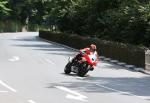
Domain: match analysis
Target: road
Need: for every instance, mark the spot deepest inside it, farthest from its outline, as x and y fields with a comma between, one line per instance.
x=31, y=71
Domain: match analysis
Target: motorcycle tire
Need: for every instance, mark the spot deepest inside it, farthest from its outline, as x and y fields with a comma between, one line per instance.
x=82, y=71
x=67, y=69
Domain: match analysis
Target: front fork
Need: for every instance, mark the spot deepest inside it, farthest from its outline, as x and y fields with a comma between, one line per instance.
x=91, y=68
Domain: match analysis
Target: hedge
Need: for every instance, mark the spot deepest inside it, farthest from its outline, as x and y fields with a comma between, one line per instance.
x=127, y=53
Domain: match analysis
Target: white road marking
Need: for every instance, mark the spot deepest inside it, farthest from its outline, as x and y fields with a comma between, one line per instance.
x=14, y=58
x=76, y=95
x=15, y=37
x=49, y=61
x=112, y=89
x=144, y=97
x=121, y=92
x=80, y=78
x=8, y=87
x=3, y=91
x=31, y=101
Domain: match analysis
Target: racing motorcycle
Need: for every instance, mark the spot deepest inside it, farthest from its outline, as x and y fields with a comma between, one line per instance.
x=81, y=67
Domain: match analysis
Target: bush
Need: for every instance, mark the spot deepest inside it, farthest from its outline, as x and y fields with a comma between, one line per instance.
x=10, y=26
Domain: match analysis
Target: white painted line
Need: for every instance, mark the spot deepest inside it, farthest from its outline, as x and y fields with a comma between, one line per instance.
x=111, y=89
x=76, y=95
x=80, y=77
x=69, y=96
x=31, y=101
x=14, y=58
x=121, y=92
x=15, y=37
x=8, y=87
x=3, y=91
x=144, y=97
x=49, y=61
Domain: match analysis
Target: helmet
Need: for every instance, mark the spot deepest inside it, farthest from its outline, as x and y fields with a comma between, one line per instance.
x=93, y=47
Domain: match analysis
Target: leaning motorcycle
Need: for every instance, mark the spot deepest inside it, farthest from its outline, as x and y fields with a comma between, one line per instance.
x=81, y=67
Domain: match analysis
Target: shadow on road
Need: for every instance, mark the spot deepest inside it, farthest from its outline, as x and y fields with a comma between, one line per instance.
x=133, y=86
x=74, y=75
x=35, y=43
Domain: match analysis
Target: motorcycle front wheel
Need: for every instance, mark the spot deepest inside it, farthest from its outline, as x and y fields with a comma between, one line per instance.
x=82, y=70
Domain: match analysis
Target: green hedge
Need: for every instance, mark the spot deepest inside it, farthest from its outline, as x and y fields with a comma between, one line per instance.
x=10, y=26
x=123, y=52
x=16, y=26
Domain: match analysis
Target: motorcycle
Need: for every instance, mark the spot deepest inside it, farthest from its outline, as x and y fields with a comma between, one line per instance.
x=81, y=67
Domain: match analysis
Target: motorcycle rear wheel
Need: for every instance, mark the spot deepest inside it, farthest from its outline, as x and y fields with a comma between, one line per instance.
x=67, y=69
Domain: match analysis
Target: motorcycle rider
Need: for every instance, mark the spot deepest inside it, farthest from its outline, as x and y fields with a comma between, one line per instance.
x=91, y=50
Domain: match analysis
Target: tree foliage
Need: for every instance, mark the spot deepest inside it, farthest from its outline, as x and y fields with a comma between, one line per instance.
x=118, y=20
x=125, y=21
x=3, y=8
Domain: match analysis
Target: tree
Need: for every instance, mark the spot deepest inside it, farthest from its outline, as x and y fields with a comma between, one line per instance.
x=4, y=10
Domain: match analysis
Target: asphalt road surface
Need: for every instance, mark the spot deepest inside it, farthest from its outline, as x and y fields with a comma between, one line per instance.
x=31, y=71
